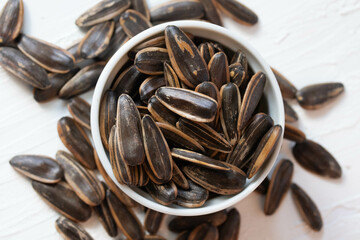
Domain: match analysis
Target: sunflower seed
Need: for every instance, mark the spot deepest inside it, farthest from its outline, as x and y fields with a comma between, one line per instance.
x=83, y=81
x=103, y=11
x=125, y=219
x=107, y=116
x=75, y=139
x=316, y=159
x=160, y=113
x=188, y=104
x=211, y=90
x=211, y=12
x=230, y=229
x=279, y=184
x=229, y=113
x=185, y=58
x=237, y=74
x=307, y=208
x=183, y=235
x=205, y=135
x=128, y=81
x=96, y=40
x=85, y=184
x=170, y=76
x=288, y=90
x=11, y=20
x=148, y=88
x=252, y=96
x=156, y=149
x=204, y=231
x=151, y=60
x=134, y=22
x=80, y=111
x=79, y=61
x=219, y=69
x=206, y=51
x=193, y=197
x=153, y=42
x=177, y=10
x=153, y=221
x=198, y=159
x=154, y=237
x=164, y=194
x=263, y=187
x=294, y=134
x=237, y=11
x=40, y=168
x=51, y=57
x=179, y=224
x=318, y=95
x=290, y=114
x=70, y=230
x=141, y=176
x=15, y=62
x=63, y=199
x=177, y=138
x=118, y=38
x=178, y=177
x=264, y=150
x=142, y=7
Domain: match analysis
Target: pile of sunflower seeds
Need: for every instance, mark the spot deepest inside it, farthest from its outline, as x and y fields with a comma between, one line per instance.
x=174, y=123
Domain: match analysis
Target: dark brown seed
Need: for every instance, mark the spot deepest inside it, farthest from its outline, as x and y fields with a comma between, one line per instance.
x=105, y=217
x=170, y=76
x=151, y=60
x=194, y=197
x=154, y=237
x=83, y=81
x=318, y=95
x=51, y=57
x=160, y=113
x=219, y=69
x=177, y=10
x=211, y=90
x=153, y=42
x=133, y=22
x=294, y=134
x=263, y=187
x=57, y=81
x=204, y=231
x=80, y=111
x=179, y=224
x=142, y=179
x=230, y=229
x=249, y=140
x=70, y=230
x=307, y=208
x=103, y=11
x=76, y=140
x=96, y=40
x=220, y=182
x=183, y=235
x=124, y=217
x=253, y=93
x=206, y=51
x=211, y=13
x=156, y=149
x=142, y=7
x=198, y=159
x=83, y=182
x=107, y=116
x=128, y=130
x=11, y=20
x=316, y=159
x=79, y=61
x=205, y=135
x=279, y=184
x=237, y=11
x=188, y=104
x=15, y=62
x=264, y=150
x=118, y=38
x=240, y=57
x=153, y=221
x=179, y=178
x=290, y=114
x=229, y=112
x=177, y=138
x=288, y=90
x=63, y=199
x=148, y=88
x=128, y=81
x=185, y=58
x=237, y=74
x=164, y=194
x=40, y=168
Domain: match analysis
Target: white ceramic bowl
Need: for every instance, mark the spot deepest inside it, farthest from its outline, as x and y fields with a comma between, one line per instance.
x=212, y=32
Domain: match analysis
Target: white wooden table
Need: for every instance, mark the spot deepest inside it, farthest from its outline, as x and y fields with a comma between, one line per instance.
x=308, y=41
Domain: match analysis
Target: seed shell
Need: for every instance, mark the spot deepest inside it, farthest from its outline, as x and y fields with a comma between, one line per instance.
x=107, y=116
x=206, y=51
x=64, y=200
x=15, y=62
x=39, y=168
x=211, y=12
x=288, y=90
x=170, y=76
x=211, y=90
x=151, y=60
x=79, y=61
x=133, y=22
x=11, y=20
x=160, y=113
x=51, y=57
x=103, y=11
x=219, y=69
x=80, y=111
x=237, y=11
x=152, y=42
x=148, y=88
x=240, y=57
x=179, y=178
x=118, y=38
x=294, y=134
x=128, y=81
x=204, y=231
x=153, y=221
x=193, y=197
x=230, y=229
x=177, y=10
x=290, y=114
x=70, y=230
x=164, y=194
x=142, y=7
x=237, y=74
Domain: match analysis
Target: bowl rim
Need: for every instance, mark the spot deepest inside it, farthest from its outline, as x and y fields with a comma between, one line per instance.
x=96, y=101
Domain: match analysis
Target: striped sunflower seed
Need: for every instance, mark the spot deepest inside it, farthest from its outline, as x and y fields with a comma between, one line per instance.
x=290, y=114
x=211, y=12
x=206, y=51
x=160, y=113
x=70, y=230
x=230, y=229
x=237, y=11
x=148, y=88
x=170, y=76
x=107, y=116
x=11, y=20
x=211, y=90
x=179, y=178
x=151, y=60
x=128, y=81
x=288, y=90
x=219, y=69
x=80, y=111
x=153, y=221
x=263, y=187
x=237, y=74
x=294, y=134
x=164, y=194
x=152, y=42
x=193, y=197
x=133, y=22
x=204, y=231
x=142, y=7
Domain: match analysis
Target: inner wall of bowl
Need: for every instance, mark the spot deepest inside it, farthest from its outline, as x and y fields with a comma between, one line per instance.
x=272, y=94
